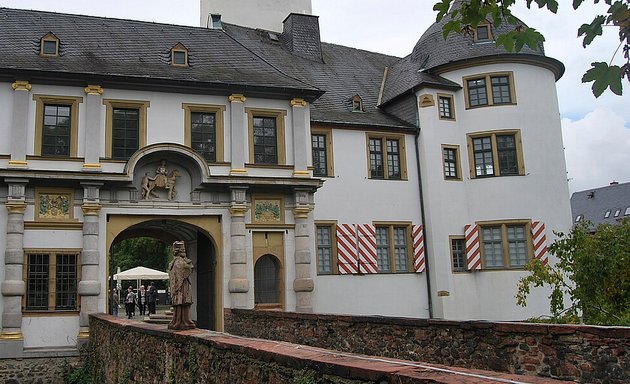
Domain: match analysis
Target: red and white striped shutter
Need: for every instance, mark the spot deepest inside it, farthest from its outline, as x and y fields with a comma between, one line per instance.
x=539, y=238
x=418, y=249
x=347, y=258
x=473, y=250
x=367, y=248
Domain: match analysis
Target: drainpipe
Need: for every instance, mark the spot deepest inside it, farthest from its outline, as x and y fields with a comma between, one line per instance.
x=424, y=226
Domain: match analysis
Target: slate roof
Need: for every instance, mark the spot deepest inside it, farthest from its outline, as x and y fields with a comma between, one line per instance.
x=136, y=50
x=592, y=204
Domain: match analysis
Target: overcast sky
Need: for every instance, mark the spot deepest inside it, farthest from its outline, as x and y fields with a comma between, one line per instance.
x=596, y=131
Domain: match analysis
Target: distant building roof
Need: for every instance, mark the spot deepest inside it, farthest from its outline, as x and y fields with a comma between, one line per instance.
x=602, y=205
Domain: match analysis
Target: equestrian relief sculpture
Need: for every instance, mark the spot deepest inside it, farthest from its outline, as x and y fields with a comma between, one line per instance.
x=163, y=179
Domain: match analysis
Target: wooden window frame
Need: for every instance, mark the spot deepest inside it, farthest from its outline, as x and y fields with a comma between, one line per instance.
x=402, y=152
x=458, y=162
x=490, y=34
x=488, y=78
x=279, y=115
x=52, y=279
x=505, y=244
x=141, y=106
x=495, y=152
x=327, y=132
x=451, y=238
x=49, y=37
x=71, y=101
x=451, y=101
x=179, y=47
x=390, y=225
x=332, y=225
x=357, y=104
x=218, y=111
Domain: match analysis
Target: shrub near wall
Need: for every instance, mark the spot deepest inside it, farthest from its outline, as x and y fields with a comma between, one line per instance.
x=586, y=354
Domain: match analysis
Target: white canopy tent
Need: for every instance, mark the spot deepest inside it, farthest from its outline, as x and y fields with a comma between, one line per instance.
x=139, y=274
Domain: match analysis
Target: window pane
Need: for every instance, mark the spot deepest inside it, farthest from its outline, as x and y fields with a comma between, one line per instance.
x=266, y=280
x=265, y=140
x=393, y=160
x=125, y=132
x=66, y=286
x=445, y=107
x=400, y=249
x=382, y=249
x=324, y=250
x=477, y=94
x=376, y=159
x=482, y=150
x=458, y=251
x=320, y=159
x=492, y=247
x=501, y=90
x=179, y=57
x=37, y=282
x=50, y=47
x=450, y=162
x=203, y=135
x=483, y=33
x=56, y=130
x=517, y=244
x=506, y=148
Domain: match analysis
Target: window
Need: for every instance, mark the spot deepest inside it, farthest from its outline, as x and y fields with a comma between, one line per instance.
x=266, y=136
x=450, y=157
x=607, y=214
x=56, y=125
x=267, y=280
x=489, y=89
x=49, y=45
x=393, y=248
x=617, y=212
x=578, y=218
x=386, y=157
x=482, y=33
x=458, y=253
x=126, y=128
x=179, y=55
x=326, y=253
x=203, y=130
x=505, y=245
x=495, y=154
x=321, y=144
x=52, y=279
x=357, y=104
x=627, y=212
x=445, y=106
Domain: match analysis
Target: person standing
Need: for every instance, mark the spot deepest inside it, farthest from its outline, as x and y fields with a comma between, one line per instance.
x=130, y=302
x=114, y=301
x=152, y=298
x=142, y=299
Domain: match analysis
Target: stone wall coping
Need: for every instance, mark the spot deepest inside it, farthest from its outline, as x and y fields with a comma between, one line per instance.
x=328, y=362
x=522, y=327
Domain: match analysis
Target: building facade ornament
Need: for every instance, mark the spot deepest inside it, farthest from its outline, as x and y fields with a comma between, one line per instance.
x=237, y=97
x=94, y=90
x=163, y=179
x=298, y=102
x=21, y=85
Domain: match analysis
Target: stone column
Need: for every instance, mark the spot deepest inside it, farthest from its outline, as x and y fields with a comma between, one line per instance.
x=301, y=137
x=13, y=286
x=92, y=126
x=303, y=284
x=239, y=283
x=239, y=134
x=89, y=286
x=19, y=123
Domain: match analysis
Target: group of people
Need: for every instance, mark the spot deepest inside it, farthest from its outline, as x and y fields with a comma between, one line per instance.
x=145, y=300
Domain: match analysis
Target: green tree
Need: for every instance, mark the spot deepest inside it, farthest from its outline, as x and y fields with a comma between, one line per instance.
x=592, y=272
x=140, y=251
x=603, y=75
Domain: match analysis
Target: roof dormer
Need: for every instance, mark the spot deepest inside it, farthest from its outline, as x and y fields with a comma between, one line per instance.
x=179, y=55
x=49, y=45
x=357, y=104
x=483, y=32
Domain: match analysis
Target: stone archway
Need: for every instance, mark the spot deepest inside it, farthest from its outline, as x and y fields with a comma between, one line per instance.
x=203, y=244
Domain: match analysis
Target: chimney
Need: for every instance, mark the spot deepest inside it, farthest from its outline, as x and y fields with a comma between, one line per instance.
x=301, y=36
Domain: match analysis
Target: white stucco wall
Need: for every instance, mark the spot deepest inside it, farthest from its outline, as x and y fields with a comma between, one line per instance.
x=541, y=194
x=6, y=100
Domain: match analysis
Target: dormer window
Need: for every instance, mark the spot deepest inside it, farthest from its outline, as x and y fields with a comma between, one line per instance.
x=357, y=104
x=49, y=45
x=483, y=33
x=179, y=55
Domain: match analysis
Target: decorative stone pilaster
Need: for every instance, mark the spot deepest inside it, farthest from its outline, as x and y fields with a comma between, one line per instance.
x=13, y=286
x=238, y=130
x=19, y=123
x=301, y=137
x=89, y=286
x=93, y=103
x=239, y=283
x=303, y=284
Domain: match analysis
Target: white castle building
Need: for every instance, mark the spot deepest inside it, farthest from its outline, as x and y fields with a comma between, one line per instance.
x=303, y=176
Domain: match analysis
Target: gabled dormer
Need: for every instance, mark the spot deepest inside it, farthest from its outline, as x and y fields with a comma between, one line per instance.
x=179, y=55
x=49, y=45
x=357, y=104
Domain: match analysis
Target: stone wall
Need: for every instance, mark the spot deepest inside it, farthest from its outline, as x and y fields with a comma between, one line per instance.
x=587, y=354
x=48, y=370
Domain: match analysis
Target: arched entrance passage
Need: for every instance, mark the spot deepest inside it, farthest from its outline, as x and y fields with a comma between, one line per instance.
x=202, y=236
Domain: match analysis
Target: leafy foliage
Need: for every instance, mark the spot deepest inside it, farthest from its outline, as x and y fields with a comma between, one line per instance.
x=592, y=272
x=603, y=75
x=140, y=251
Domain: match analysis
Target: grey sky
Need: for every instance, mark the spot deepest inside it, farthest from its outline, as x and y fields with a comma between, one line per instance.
x=394, y=26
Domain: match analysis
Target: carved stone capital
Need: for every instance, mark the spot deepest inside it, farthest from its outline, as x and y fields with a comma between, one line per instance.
x=11, y=336
x=91, y=209
x=94, y=90
x=84, y=334
x=16, y=207
x=237, y=97
x=302, y=211
x=238, y=172
x=298, y=102
x=238, y=210
x=21, y=85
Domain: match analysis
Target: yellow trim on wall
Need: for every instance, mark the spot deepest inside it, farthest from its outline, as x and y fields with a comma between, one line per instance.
x=401, y=147
x=328, y=132
x=280, y=115
x=218, y=111
x=332, y=224
x=390, y=225
x=488, y=78
x=504, y=240
x=458, y=162
x=71, y=101
x=451, y=106
x=270, y=243
x=141, y=106
x=495, y=154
